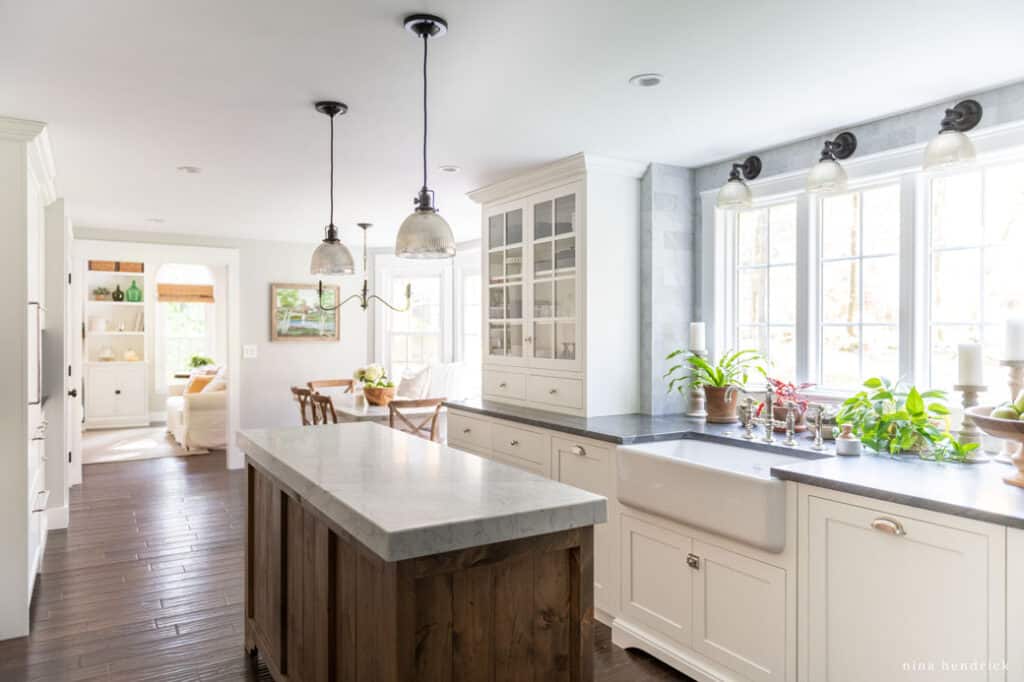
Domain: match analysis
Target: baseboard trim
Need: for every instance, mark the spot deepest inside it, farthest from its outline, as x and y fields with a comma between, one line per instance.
x=686, y=661
x=57, y=518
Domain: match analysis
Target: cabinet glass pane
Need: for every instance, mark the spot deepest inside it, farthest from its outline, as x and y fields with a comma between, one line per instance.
x=542, y=301
x=565, y=253
x=496, y=309
x=565, y=214
x=514, y=263
x=496, y=231
x=496, y=267
x=565, y=340
x=514, y=302
x=542, y=220
x=565, y=298
x=514, y=227
x=514, y=340
x=496, y=339
x=543, y=340
x=542, y=260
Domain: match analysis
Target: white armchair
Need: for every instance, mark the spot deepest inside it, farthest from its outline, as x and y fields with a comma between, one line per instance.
x=197, y=420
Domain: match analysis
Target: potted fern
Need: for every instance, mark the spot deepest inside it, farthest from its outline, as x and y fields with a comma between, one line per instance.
x=720, y=381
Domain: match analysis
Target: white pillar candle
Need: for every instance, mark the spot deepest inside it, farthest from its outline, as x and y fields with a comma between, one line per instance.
x=698, y=337
x=970, y=365
x=1013, y=351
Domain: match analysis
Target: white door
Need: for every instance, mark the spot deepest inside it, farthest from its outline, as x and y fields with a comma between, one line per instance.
x=739, y=613
x=656, y=589
x=589, y=467
x=73, y=371
x=896, y=598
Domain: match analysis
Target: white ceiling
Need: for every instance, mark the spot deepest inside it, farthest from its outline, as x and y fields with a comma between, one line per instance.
x=132, y=90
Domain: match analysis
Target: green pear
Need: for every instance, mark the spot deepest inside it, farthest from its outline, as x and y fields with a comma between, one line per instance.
x=1018, y=404
x=1004, y=413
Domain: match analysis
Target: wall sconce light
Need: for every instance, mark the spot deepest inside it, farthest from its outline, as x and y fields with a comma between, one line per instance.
x=828, y=174
x=951, y=146
x=735, y=193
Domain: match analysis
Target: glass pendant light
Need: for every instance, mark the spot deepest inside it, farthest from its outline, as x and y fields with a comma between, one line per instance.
x=331, y=256
x=828, y=175
x=425, y=234
x=951, y=146
x=735, y=193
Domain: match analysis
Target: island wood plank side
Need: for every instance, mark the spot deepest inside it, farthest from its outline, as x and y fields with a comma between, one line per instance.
x=321, y=607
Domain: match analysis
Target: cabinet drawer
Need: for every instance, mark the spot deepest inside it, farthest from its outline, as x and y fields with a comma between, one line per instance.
x=469, y=431
x=554, y=391
x=505, y=384
x=520, y=463
x=521, y=443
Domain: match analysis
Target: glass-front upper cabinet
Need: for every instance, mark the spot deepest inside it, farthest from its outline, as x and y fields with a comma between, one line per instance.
x=505, y=263
x=554, y=279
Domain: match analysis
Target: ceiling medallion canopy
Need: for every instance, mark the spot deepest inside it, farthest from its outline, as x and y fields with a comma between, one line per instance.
x=425, y=234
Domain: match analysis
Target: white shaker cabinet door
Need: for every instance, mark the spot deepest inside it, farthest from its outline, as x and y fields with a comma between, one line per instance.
x=1015, y=604
x=892, y=597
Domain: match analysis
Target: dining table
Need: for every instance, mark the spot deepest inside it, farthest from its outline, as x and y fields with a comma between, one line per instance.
x=350, y=409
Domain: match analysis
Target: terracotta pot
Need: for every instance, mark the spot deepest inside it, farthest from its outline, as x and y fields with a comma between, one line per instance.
x=720, y=409
x=780, y=419
x=379, y=396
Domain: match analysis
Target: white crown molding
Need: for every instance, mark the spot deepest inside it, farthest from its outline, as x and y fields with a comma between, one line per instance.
x=19, y=129
x=556, y=173
x=37, y=146
x=990, y=143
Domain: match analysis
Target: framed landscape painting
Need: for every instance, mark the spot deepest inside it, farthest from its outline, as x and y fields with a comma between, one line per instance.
x=295, y=313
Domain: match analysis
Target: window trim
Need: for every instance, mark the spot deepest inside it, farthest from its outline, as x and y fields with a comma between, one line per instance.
x=994, y=145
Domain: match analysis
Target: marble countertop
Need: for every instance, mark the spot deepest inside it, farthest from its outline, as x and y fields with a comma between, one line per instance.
x=622, y=429
x=405, y=497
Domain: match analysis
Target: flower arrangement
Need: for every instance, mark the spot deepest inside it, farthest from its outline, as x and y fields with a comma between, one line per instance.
x=373, y=376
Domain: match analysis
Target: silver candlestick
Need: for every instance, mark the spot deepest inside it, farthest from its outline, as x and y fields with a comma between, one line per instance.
x=969, y=431
x=695, y=402
x=1016, y=383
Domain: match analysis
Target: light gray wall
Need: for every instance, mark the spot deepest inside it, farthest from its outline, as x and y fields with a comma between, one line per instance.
x=1001, y=105
x=264, y=381
x=666, y=282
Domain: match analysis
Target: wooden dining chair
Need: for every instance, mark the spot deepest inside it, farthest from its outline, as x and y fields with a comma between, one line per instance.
x=323, y=409
x=303, y=396
x=422, y=425
x=347, y=384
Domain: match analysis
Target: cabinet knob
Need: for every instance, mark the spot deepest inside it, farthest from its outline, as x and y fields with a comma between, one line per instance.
x=503, y=385
x=889, y=526
x=578, y=450
x=693, y=561
x=514, y=443
x=553, y=391
x=466, y=430
x=117, y=391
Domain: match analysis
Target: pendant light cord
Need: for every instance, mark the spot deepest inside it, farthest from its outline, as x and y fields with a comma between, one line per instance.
x=332, y=170
x=425, y=38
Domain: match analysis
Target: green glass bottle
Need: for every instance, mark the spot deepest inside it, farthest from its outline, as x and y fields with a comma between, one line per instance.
x=133, y=294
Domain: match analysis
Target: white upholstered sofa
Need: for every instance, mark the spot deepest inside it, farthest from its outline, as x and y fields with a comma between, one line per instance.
x=197, y=420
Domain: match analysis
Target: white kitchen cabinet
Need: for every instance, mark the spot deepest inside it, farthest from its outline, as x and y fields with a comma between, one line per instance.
x=1015, y=604
x=550, y=238
x=116, y=395
x=589, y=466
x=893, y=593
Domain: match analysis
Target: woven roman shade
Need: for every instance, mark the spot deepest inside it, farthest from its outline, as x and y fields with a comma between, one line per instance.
x=184, y=293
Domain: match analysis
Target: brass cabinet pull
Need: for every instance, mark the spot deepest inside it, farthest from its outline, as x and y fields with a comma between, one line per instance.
x=579, y=451
x=514, y=443
x=502, y=385
x=693, y=561
x=466, y=430
x=888, y=526
x=553, y=391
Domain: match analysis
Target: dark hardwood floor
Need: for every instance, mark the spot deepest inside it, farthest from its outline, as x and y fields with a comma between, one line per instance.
x=148, y=584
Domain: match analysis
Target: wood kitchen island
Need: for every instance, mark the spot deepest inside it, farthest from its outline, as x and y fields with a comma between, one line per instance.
x=373, y=555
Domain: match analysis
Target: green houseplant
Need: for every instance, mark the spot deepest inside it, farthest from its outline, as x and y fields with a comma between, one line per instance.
x=733, y=369
x=199, y=361
x=894, y=418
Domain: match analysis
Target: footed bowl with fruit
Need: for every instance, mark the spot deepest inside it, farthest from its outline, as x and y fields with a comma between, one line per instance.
x=1006, y=427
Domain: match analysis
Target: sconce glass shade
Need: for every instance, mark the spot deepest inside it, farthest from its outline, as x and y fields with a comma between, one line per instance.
x=425, y=234
x=826, y=176
x=332, y=258
x=947, y=148
x=734, y=194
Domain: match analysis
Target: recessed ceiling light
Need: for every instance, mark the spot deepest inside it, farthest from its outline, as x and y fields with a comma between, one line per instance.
x=646, y=80
x=190, y=170
x=449, y=169
x=154, y=220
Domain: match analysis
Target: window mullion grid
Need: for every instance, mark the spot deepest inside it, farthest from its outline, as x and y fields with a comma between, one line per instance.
x=860, y=284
